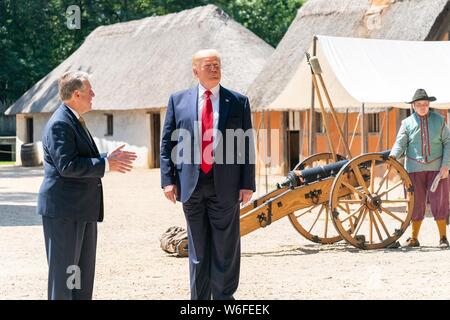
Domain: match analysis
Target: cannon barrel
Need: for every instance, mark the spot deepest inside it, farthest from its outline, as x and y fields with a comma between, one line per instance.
x=317, y=173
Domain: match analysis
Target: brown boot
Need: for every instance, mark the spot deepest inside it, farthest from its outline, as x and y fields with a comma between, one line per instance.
x=443, y=243
x=412, y=242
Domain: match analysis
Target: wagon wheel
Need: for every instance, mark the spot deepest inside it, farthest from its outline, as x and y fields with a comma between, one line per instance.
x=314, y=223
x=380, y=213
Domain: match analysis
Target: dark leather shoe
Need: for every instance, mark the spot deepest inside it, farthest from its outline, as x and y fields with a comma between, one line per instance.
x=411, y=242
x=443, y=243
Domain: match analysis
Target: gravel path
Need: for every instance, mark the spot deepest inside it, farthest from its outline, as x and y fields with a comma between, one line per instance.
x=277, y=263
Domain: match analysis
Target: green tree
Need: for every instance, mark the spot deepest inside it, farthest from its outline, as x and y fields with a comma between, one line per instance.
x=34, y=37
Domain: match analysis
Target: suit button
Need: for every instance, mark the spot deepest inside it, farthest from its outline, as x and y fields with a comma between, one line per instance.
x=99, y=185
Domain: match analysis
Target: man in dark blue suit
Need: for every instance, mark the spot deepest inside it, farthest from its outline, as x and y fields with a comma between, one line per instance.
x=203, y=167
x=71, y=196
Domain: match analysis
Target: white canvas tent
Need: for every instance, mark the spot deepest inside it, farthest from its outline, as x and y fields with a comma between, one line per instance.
x=378, y=73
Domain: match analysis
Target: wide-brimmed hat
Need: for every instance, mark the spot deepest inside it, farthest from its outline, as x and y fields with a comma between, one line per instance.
x=421, y=94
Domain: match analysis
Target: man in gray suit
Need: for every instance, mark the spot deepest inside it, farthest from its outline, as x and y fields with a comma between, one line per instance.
x=71, y=195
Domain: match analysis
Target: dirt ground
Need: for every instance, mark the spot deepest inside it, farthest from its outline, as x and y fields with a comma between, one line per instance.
x=277, y=263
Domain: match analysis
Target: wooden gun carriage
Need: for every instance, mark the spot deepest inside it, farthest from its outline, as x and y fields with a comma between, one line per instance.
x=351, y=195
x=327, y=190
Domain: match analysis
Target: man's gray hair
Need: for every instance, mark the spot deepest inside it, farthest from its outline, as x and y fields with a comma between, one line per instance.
x=71, y=81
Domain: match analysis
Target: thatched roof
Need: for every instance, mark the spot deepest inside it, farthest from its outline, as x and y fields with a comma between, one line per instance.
x=382, y=19
x=138, y=64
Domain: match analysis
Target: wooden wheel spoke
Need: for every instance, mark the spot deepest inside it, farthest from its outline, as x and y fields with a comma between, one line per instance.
x=391, y=188
x=360, y=178
x=360, y=221
x=383, y=179
x=396, y=201
x=353, y=189
x=372, y=175
x=352, y=225
x=348, y=208
x=391, y=214
x=352, y=214
x=376, y=225
x=317, y=218
x=309, y=210
x=382, y=223
x=326, y=222
x=351, y=201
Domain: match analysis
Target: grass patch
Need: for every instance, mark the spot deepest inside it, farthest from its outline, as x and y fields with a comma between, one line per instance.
x=11, y=163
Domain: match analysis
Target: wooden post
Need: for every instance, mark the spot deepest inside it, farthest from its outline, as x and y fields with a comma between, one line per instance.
x=363, y=130
x=301, y=129
x=346, y=126
x=312, y=116
x=324, y=117
x=354, y=129
x=269, y=142
x=284, y=134
x=265, y=150
x=387, y=129
x=380, y=136
x=333, y=114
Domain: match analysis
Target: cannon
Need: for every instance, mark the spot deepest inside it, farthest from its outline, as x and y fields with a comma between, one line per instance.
x=353, y=196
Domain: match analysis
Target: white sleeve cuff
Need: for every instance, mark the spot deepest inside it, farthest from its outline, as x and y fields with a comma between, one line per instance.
x=106, y=165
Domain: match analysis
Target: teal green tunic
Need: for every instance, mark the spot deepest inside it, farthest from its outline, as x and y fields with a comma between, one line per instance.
x=425, y=141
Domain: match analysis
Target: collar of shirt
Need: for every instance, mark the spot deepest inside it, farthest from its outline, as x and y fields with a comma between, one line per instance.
x=215, y=99
x=73, y=111
x=214, y=91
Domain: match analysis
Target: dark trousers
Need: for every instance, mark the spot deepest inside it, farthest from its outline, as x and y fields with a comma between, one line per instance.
x=422, y=182
x=214, y=242
x=71, y=249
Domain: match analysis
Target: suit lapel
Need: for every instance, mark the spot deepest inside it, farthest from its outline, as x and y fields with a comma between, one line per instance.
x=193, y=101
x=80, y=130
x=193, y=115
x=224, y=108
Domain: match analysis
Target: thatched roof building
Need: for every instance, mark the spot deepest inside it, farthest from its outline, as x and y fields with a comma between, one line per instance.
x=382, y=19
x=138, y=64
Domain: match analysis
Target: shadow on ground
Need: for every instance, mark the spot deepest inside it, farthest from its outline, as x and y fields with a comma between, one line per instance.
x=20, y=172
x=19, y=215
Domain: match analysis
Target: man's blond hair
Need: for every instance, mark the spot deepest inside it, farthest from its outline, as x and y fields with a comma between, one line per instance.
x=71, y=81
x=203, y=54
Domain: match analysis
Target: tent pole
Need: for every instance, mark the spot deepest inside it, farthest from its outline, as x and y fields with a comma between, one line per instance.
x=265, y=149
x=312, y=115
x=324, y=116
x=333, y=114
x=354, y=129
x=380, y=136
x=387, y=143
x=269, y=141
x=363, y=131
x=346, y=126
x=300, y=136
x=387, y=128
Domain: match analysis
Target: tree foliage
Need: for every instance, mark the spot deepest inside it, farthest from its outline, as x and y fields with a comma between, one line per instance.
x=34, y=37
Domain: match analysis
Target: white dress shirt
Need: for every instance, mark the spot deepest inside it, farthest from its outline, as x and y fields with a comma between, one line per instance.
x=106, y=155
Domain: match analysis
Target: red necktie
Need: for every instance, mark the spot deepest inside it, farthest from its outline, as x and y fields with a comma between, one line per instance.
x=207, y=124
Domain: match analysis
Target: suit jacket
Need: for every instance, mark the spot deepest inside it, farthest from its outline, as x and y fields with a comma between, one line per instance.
x=72, y=187
x=229, y=176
